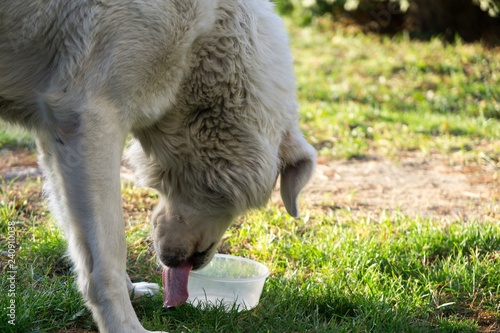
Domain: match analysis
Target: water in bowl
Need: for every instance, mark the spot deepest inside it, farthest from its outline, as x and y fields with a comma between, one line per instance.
x=228, y=281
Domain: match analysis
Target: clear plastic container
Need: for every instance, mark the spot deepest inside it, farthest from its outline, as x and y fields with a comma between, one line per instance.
x=233, y=282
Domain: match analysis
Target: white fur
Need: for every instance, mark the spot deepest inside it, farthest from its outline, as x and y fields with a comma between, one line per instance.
x=207, y=89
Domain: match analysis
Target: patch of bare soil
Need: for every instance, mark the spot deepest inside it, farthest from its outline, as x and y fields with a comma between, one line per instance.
x=412, y=185
x=426, y=186
x=18, y=164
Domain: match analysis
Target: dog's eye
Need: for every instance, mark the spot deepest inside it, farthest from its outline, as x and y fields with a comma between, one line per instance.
x=215, y=194
x=215, y=197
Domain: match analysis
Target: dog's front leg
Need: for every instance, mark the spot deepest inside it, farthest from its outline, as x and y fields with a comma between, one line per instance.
x=83, y=182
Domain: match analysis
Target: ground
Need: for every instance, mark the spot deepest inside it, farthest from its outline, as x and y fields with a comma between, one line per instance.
x=412, y=183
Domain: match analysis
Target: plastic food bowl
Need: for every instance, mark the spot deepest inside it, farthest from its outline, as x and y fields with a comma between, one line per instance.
x=233, y=282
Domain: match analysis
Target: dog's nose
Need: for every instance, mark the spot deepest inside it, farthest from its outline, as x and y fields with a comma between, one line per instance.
x=173, y=259
x=178, y=258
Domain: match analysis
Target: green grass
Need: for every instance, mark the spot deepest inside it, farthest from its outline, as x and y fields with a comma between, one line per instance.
x=333, y=270
x=330, y=273
x=12, y=137
x=361, y=92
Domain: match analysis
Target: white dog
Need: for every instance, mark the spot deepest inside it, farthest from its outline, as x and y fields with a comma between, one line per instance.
x=207, y=89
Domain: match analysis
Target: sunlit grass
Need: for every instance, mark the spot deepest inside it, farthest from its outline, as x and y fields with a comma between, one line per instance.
x=363, y=92
x=14, y=137
x=330, y=272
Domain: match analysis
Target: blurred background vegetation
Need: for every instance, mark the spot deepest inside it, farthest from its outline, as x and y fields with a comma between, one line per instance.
x=469, y=19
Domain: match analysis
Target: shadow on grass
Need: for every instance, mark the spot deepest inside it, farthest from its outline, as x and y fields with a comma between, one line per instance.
x=286, y=307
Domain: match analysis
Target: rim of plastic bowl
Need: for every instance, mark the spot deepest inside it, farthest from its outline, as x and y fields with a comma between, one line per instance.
x=233, y=280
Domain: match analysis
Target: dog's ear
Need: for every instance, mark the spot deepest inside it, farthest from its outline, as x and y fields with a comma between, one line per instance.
x=298, y=160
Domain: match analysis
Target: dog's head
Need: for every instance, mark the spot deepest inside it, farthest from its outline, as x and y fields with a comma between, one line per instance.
x=233, y=130
x=204, y=192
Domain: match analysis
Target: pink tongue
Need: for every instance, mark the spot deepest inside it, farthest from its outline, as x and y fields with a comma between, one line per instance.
x=175, y=282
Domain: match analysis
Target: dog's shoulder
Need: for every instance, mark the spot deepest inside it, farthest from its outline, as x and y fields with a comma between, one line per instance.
x=132, y=52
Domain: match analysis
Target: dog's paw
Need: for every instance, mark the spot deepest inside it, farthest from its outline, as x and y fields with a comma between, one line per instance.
x=140, y=289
